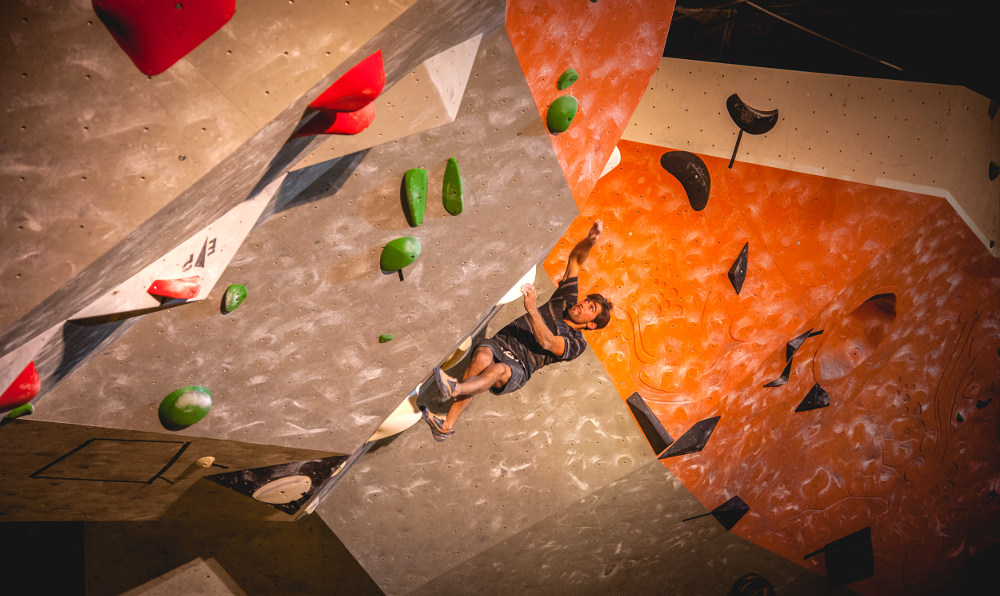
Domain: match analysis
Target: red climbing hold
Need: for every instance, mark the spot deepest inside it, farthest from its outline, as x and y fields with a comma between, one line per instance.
x=356, y=89
x=338, y=123
x=185, y=288
x=157, y=33
x=24, y=389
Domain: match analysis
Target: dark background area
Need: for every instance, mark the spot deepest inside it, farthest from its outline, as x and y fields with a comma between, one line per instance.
x=915, y=40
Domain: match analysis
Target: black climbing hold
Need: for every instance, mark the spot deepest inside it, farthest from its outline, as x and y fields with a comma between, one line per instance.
x=694, y=439
x=738, y=272
x=816, y=398
x=658, y=437
x=790, y=348
x=994, y=170
x=750, y=120
x=728, y=513
x=983, y=403
x=784, y=376
x=992, y=110
x=849, y=559
x=794, y=345
x=959, y=417
x=691, y=172
x=285, y=486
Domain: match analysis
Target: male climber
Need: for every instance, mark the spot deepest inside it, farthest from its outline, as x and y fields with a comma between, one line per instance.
x=541, y=336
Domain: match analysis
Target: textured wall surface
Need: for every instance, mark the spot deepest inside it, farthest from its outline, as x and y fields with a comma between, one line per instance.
x=614, y=46
x=918, y=137
x=908, y=442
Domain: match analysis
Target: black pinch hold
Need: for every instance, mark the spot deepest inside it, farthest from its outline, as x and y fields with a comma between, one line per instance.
x=790, y=348
x=249, y=481
x=658, y=437
x=848, y=559
x=691, y=172
x=728, y=513
x=994, y=170
x=816, y=398
x=784, y=376
x=738, y=271
x=750, y=120
x=794, y=345
x=693, y=440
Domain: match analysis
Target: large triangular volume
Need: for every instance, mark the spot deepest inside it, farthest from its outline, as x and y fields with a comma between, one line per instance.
x=658, y=437
x=816, y=398
x=849, y=559
x=738, y=271
x=694, y=439
x=285, y=487
x=730, y=512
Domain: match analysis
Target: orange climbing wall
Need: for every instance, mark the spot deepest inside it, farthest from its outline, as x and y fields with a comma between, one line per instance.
x=614, y=46
x=890, y=451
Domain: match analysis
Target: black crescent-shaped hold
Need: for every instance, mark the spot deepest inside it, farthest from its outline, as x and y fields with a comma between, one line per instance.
x=750, y=120
x=815, y=399
x=694, y=440
x=692, y=173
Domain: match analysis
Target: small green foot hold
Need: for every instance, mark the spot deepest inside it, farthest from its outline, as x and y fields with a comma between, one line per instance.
x=567, y=78
x=25, y=410
x=959, y=417
x=235, y=295
x=451, y=191
x=561, y=113
x=185, y=406
x=399, y=253
x=385, y=337
x=415, y=188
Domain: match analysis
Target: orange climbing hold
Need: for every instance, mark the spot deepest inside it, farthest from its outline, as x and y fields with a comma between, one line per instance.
x=184, y=288
x=24, y=389
x=356, y=89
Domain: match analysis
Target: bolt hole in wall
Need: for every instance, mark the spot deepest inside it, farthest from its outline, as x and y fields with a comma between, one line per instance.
x=856, y=338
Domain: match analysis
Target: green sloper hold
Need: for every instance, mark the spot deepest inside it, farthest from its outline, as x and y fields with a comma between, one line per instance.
x=235, y=295
x=568, y=78
x=561, y=113
x=415, y=184
x=399, y=253
x=385, y=337
x=451, y=191
x=185, y=406
x=23, y=410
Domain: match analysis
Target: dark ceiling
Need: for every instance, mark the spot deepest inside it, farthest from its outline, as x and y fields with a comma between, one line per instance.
x=916, y=40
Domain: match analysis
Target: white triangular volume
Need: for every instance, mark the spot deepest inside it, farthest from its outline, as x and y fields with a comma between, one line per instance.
x=13, y=362
x=613, y=161
x=515, y=292
x=427, y=97
x=450, y=71
x=205, y=254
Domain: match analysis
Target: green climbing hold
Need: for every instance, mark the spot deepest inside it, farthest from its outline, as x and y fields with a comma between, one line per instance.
x=451, y=191
x=385, y=337
x=235, y=295
x=959, y=417
x=399, y=253
x=561, y=113
x=568, y=78
x=185, y=406
x=415, y=186
x=22, y=410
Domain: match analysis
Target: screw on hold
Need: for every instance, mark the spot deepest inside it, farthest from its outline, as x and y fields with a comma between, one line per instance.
x=385, y=337
x=178, y=6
